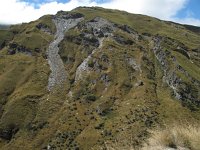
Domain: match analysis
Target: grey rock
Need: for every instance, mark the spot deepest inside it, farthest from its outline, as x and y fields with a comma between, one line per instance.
x=131, y=62
x=66, y=15
x=44, y=28
x=127, y=29
x=182, y=90
x=83, y=68
x=122, y=40
x=100, y=27
x=58, y=73
x=16, y=48
x=85, y=39
x=139, y=83
x=105, y=78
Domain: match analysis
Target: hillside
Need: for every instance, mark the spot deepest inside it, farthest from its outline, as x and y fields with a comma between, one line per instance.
x=93, y=77
x=4, y=27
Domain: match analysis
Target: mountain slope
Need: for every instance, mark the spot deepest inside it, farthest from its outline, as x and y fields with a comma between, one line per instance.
x=91, y=77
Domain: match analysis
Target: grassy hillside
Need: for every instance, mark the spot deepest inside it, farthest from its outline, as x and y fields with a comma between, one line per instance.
x=145, y=24
x=127, y=75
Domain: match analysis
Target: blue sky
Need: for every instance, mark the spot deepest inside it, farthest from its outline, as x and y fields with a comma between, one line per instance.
x=191, y=9
x=182, y=11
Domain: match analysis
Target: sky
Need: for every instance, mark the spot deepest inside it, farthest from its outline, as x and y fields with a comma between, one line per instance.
x=181, y=11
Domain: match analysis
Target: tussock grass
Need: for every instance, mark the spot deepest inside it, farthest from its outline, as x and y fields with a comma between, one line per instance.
x=173, y=137
x=182, y=137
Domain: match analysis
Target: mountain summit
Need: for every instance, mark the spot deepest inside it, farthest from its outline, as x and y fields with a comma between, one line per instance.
x=94, y=78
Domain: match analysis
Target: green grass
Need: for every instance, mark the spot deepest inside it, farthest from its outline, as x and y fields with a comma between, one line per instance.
x=29, y=36
x=5, y=36
x=24, y=81
x=190, y=67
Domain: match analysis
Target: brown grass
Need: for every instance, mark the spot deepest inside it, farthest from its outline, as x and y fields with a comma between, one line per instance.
x=182, y=137
x=174, y=137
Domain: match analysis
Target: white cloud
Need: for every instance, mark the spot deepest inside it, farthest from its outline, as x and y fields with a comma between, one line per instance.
x=163, y=9
x=15, y=11
x=188, y=20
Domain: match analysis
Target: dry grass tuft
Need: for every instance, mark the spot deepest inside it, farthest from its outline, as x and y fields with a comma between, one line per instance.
x=174, y=137
x=181, y=137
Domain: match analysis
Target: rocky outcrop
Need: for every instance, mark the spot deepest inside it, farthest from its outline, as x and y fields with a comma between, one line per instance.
x=66, y=15
x=127, y=29
x=122, y=40
x=83, y=68
x=84, y=39
x=131, y=62
x=93, y=33
x=44, y=28
x=58, y=73
x=100, y=29
x=183, y=52
x=16, y=48
x=182, y=90
x=9, y=132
